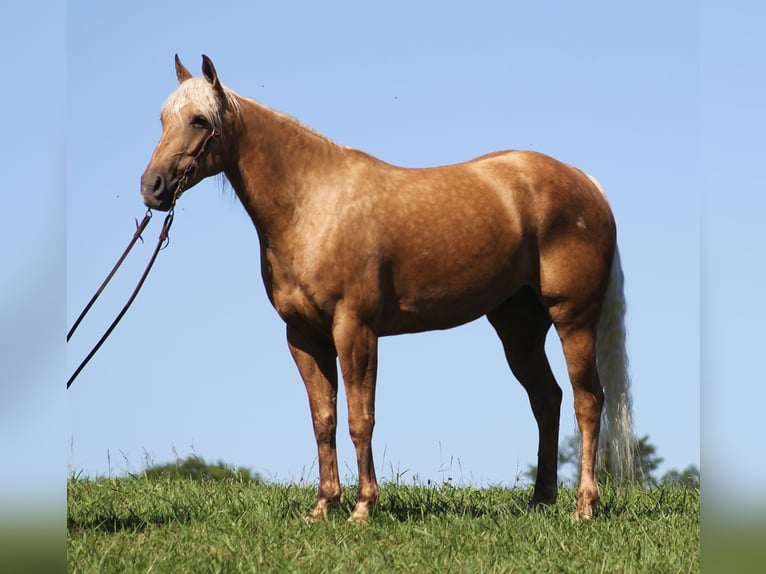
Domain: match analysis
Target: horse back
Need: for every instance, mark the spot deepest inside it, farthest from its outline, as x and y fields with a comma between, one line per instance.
x=431, y=248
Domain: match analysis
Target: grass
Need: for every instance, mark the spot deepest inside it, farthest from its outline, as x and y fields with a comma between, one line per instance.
x=140, y=524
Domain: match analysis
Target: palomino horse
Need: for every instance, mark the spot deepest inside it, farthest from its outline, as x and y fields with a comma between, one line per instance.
x=353, y=249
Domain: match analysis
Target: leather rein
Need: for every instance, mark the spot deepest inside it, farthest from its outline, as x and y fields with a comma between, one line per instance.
x=162, y=242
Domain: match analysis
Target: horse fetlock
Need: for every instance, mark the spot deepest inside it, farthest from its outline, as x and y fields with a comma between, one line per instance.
x=544, y=495
x=361, y=511
x=322, y=508
x=540, y=504
x=587, y=503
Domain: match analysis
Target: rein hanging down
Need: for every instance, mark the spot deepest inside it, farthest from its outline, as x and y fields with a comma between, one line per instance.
x=162, y=242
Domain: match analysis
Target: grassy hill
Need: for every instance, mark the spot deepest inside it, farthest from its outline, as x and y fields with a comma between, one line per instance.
x=167, y=524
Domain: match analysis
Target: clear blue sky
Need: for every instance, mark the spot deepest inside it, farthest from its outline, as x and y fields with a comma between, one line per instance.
x=200, y=365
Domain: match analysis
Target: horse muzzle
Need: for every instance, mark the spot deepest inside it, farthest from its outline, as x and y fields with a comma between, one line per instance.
x=156, y=192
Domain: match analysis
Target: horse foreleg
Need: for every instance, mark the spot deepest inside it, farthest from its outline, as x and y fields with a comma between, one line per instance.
x=315, y=359
x=357, y=349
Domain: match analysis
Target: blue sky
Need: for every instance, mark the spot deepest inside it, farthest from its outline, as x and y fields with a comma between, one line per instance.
x=632, y=95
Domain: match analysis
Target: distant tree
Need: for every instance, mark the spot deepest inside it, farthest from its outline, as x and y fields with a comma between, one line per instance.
x=690, y=476
x=569, y=456
x=646, y=457
x=196, y=468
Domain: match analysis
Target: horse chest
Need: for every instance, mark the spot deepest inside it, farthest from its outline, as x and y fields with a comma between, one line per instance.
x=297, y=295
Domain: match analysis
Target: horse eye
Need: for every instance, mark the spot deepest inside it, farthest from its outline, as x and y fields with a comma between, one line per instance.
x=199, y=122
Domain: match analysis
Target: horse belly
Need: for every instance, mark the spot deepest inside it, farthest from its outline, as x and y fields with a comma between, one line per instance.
x=454, y=282
x=429, y=314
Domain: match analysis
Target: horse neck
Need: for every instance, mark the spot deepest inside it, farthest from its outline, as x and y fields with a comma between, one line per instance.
x=275, y=163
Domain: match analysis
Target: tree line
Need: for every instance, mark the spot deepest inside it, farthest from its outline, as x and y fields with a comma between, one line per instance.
x=195, y=468
x=648, y=461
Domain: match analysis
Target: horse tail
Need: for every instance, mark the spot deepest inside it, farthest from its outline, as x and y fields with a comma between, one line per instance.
x=617, y=448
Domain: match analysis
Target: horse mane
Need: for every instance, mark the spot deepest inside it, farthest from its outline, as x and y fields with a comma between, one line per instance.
x=199, y=92
x=295, y=122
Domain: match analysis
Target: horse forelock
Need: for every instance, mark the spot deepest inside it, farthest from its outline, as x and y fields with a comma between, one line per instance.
x=199, y=93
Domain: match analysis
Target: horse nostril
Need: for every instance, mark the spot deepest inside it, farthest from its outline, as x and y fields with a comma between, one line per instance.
x=159, y=185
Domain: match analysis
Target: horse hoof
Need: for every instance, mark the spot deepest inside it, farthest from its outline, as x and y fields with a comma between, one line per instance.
x=321, y=509
x=535, y=506
x=360, y=513
x=540, y=505
x=357, y=519
x=583, y=514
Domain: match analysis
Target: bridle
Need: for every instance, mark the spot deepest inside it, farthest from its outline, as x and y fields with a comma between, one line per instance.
x=162, y=242
x=193, y=166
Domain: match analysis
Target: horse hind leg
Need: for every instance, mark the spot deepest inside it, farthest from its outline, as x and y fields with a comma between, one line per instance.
x=522, y=324
x=577, y=330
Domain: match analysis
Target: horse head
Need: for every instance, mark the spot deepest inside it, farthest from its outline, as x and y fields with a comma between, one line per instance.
x=191, y=145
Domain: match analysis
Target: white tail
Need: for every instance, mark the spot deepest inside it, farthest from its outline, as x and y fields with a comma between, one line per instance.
x=612, y=363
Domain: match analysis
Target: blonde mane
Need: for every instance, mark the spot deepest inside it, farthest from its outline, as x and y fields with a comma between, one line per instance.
x=199, y=92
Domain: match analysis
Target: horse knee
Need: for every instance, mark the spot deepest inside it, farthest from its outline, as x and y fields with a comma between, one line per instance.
x=324, y=428
x=360, y=428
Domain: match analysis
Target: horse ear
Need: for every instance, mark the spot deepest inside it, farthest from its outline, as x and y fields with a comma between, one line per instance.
x=208, y=71
x=181, y=72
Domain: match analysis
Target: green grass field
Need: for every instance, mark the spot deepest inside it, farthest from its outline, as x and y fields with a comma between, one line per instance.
x=178, y=525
